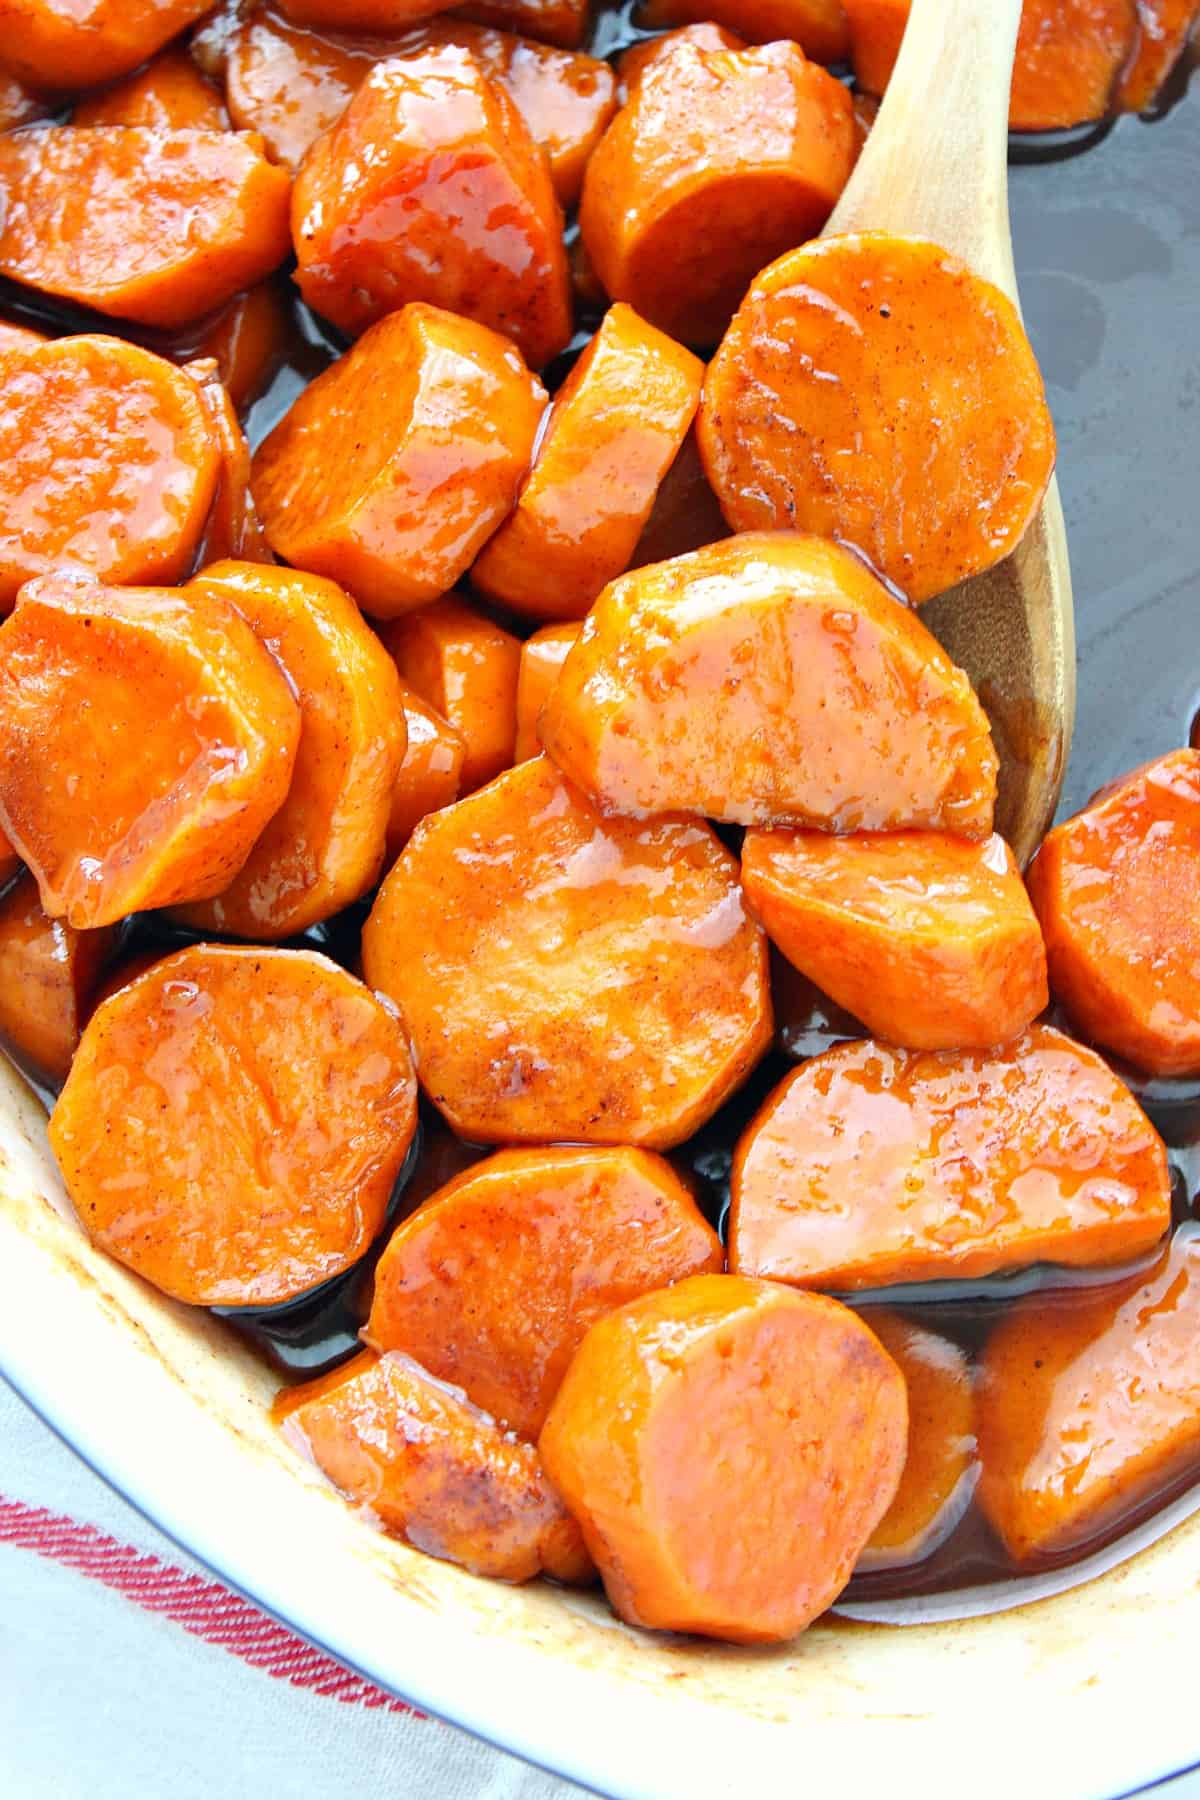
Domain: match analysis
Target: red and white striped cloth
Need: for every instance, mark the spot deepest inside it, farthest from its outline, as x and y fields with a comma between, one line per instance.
x=125, y=1669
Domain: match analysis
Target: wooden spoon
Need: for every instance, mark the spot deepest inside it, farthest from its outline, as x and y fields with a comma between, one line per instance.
x=936, y=165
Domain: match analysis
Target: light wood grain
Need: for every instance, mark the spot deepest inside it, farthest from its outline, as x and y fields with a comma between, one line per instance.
x=935, y=165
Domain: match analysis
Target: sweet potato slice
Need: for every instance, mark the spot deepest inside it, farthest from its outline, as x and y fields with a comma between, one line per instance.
x=424, y=1464
x=1117, y=890
x=20, y=105
x=19, y=337
x=430, y=775
x=1164, y=27
x=876, y=31
x=494, y=1281
x=247, y=339
x=1070, y=57
x=588, y=979
x=154, y=226
x=820, y=27
x=80, y=43
x=234, y=1122
x=232, y=527
x=614, y=430
x=685, y=515
x=169, y=94
x=942, y=1463
x=394, y=467
x=325, y=845
x=430, y=139
x=146, y=737
x=561, y=22
x=870, y=1166
x=1089, y=1406
x=927, y=939
x=728, y=1448
x=466, y=667
x=837, y=708
x=871, y=388
x=721, y=160
x=48, y=972
x=108, y=464
x=542, y=657
x=704, y=35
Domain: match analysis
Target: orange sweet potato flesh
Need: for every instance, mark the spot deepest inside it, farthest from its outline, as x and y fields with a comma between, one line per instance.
x=173, y=735
x=430, y=774
x=424, y=1464
x=169, y=94
x=431, y=139
x=18, y=337
x=1070, y=57
x=704, y=35
x=542, y=657
x=466, y=667
x=1164, y=29
x=153, y=226
x=820, y=27
x=325, y=845
x=20, y=105
x=871, y=1165
x=721, y=160
x=234, y=1122
x=108, y=464
x=942, y=1464
x=685, y=515
x=232, y=527
x=1117, y=890
x=358, y=15
x=589, y=979
x=362, y=481
x=871, y=388
x=292, y=84
x=247, y=339
x=728, y=1448
x=838, y=709
x=876, y=32
x=1089, y=1406
x=494, y=1281
x=48, y=972
x=561, y=22
x=929, y=940
x=80, y=43
x=614, y=430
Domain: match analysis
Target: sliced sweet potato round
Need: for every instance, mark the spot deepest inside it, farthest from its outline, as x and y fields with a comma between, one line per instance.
x=466, y=667
x=589, y=979
x=870, y=1166
x=234, y=1122
x=169, y=94
x=48, y=975
x=232, y=528
x=80, y=43
x=542, y=657
x=430, y=776
x=837, y=708
x=820, y=27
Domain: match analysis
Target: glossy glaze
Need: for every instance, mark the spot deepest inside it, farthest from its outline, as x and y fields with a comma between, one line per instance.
x=728, y=1448
x=420, y=1461
x=78, y=43
x=542, y=657
x=561, y=22
x=805, y=653
x=431, y=188
x=720, y=161
x=325, y=845
x=48, y=973
x=187, y=1133
x=1163, y=30
x=430, y=775
x=642, y=55
x=928, y=939
x=70, y=412
x=169, y=94
x=466, y=667
x=492, y=1283
x=232, y=527
x=397, y=512
x=871, y=388
x=820, y=27
x=588, y=979
x=248, y=339
x=1117, y=889
x=121, y=817
x=870, y=1166
x=158, y=227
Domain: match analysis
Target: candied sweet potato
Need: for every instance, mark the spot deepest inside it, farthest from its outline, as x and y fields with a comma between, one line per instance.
x=873, y=389
x=542, y=657
x=20, y=105
x=646, y=52
x=247, y=339
x=430, y=775
x=146, y=737
x=108, y=464
x=325, y=845
x=234, y=1122
x=561, y=22
x=429, y=139
x=492, y=1283
x=18, y=337
x=614, y=430
x=80, y=43
x=232, y=527
x=466, y=667
x=1117, y=890
x=48, y=972
x=419, y=1460
x=1069, y=62
x=728, y=1448
x=153, y=226
x=837, y=708
x=169, y=94
x=870, y=1165
x=1164, y=27
x=589, y=979
x=393, y=468
x=929, y=940
x=820, y=27
x=721, y=160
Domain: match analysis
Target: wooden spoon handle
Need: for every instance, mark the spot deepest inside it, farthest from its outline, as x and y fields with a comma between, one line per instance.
x=935, y=163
